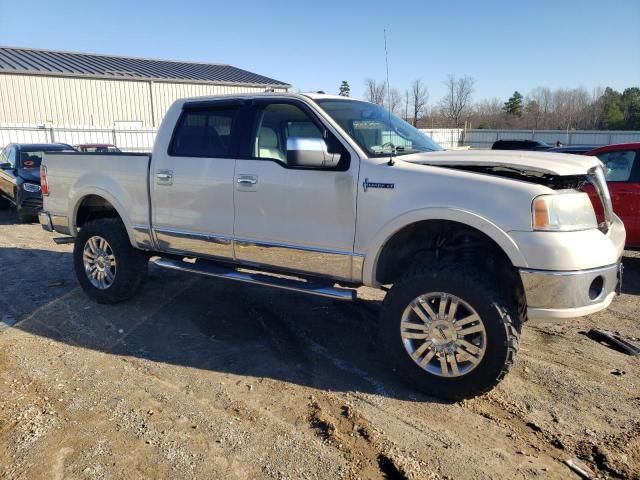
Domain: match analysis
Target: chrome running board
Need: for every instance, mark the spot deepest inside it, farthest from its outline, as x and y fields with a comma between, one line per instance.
x=64, y=240
x=302, y=286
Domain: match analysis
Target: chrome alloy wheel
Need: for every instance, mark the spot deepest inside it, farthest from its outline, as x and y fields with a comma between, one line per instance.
x=99, y=262
x=443, y=334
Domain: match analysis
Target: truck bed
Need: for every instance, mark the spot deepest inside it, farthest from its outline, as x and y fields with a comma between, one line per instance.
x=120, y=178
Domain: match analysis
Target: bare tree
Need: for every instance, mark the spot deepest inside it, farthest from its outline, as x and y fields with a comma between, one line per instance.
x=542, y=96
x=374, y=91
x=419, y=98
x=488, y=113
x=596, y=108
x=458, y=98
x=406, y=105
x=395, y=101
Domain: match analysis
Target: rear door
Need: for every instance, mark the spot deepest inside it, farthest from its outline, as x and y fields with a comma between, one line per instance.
x=192, y=182
x=623, y=178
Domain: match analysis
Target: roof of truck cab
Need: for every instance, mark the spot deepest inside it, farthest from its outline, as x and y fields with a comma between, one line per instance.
x=34, y=61
x=302, y=96
x=326, y=96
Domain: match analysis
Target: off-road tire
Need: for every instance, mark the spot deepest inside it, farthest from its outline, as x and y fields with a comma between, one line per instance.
x=131, y=264
x=502, y=319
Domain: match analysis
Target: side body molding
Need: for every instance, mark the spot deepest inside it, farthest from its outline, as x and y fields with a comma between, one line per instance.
x=436, y=213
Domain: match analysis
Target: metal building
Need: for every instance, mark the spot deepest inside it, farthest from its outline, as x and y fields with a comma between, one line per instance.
x=44, y=87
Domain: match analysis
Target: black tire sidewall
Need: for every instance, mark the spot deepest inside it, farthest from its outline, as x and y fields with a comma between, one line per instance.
x=131, y=264
x=488, y=304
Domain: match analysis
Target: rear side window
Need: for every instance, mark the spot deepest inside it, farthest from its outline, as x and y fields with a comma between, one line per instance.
x=204, y=133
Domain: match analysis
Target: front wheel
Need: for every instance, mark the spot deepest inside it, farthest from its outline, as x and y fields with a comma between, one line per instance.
x=450, y=330
x=108, y=268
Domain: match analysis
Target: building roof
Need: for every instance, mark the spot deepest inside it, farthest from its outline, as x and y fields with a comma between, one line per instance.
x=53, y=63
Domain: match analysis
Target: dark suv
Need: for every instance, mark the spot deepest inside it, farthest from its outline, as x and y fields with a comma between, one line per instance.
x=520, y=145
x=20, y=176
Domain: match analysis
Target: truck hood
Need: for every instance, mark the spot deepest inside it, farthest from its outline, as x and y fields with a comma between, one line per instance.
x=557, y=164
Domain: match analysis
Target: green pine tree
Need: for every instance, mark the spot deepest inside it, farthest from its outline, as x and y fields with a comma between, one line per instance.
x=345, y=89
x=613, y=117
x=630, y=106
x=513, y=106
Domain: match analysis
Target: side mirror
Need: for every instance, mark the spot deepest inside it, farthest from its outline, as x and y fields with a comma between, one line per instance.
x=310, y=153
x=5, y=166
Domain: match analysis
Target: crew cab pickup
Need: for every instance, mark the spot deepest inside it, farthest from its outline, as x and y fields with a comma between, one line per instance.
x=322, y=194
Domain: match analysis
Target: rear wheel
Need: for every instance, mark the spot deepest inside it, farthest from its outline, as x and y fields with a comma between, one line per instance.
x=450, y=330
x=108, y=268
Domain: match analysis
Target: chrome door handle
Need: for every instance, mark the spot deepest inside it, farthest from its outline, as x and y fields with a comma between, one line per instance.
x=248, y=180
x=164, y=177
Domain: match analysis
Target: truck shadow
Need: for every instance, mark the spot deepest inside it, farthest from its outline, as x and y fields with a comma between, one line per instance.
x=207, y=324
x=9, y=216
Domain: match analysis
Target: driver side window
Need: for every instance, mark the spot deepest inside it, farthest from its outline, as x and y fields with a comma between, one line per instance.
x=277, y=123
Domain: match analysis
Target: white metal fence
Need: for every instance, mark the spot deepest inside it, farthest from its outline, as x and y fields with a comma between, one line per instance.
x=484, y=138
x=446, y=137
x=129, y=140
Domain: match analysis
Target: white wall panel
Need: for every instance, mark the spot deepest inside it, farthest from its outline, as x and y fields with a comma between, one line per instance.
x=39, y=100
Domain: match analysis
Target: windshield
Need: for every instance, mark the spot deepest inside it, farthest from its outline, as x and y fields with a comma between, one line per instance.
x=377, y=131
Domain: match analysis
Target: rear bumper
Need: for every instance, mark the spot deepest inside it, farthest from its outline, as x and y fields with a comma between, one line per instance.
x=45, y=220
x=54, y=223
x=570, y=294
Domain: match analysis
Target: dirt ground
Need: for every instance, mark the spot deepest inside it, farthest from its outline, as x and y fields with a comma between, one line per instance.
x=199, y=378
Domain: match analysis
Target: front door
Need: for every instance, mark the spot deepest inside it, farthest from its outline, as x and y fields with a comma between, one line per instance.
x=192, y=183
x=292, y=218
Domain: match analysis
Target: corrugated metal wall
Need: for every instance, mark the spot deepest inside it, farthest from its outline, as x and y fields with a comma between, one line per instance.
x=80, y=102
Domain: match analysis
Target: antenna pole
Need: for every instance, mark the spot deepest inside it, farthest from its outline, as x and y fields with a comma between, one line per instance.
x=386, y=60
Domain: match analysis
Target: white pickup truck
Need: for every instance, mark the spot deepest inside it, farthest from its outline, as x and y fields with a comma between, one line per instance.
x=322, y=194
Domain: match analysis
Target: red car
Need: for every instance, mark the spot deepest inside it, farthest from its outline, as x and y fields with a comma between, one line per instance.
x=622, y=171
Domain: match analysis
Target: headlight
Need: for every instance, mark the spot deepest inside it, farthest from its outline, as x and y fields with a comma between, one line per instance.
x=31, y=187
x=563, y=212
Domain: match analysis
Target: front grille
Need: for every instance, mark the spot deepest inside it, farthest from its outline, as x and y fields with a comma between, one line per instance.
x=32, y=203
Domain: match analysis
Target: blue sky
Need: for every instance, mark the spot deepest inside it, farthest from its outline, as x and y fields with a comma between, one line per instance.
x=504, y=45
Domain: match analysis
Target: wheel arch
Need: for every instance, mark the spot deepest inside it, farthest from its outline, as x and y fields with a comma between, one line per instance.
x=98, y=203
x=437, y=214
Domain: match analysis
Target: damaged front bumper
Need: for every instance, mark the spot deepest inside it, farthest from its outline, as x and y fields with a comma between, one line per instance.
x=570, y=294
